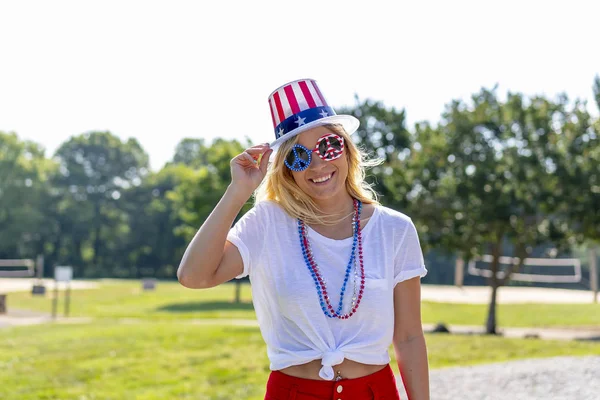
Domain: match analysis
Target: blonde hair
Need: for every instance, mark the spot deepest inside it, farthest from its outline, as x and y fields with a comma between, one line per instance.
x=280, y=187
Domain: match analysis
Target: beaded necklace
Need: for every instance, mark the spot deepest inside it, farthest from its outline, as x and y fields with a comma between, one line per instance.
x=313, y=268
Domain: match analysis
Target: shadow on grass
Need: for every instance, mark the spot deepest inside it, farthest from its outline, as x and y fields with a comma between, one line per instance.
x=589, y=339
x=206, y=306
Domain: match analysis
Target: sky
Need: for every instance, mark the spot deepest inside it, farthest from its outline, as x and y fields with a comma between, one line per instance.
x=161, y=71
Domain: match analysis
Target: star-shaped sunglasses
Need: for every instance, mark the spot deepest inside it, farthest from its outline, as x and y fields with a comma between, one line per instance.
x=329, y=147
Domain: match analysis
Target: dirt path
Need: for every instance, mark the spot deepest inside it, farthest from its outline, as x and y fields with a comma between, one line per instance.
x=506, y=295
x=8, y=285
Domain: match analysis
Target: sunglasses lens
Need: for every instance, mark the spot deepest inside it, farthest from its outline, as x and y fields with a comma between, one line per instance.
x=335, y=143
x=330, y=147
x=298, y=158
x=291, y=158
x=323, y=147
x=302, y=154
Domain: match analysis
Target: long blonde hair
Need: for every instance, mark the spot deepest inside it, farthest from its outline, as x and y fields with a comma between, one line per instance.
x=279, y=185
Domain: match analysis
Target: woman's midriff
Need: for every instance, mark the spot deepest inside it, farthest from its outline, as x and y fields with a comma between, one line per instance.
x=348, y=370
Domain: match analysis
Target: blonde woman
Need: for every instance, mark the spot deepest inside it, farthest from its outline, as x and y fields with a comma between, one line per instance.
x=335, y=276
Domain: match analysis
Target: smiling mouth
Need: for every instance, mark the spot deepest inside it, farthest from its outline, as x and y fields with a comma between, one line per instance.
x=322, y=179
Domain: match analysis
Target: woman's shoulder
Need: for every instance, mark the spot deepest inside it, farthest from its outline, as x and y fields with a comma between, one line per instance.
x=396, y=225
x=269, y=208
x=394, y=217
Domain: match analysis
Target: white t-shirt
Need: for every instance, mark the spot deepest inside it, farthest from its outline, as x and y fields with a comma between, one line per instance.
x=284, y=294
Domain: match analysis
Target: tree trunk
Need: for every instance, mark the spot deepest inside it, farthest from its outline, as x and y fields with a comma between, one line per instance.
x=79, y=267
x=238, y=292
x=98, y=226
x=490, y=326
x=594, y=274
x=459, y=272
x=53, y=259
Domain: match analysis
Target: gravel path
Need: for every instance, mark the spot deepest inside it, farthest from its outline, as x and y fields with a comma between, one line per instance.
x=557, y=378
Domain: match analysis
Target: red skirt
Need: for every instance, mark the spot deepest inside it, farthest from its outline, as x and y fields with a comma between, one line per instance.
x=377, y=386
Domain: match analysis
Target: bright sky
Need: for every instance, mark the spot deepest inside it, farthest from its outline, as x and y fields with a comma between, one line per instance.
x=161, y=71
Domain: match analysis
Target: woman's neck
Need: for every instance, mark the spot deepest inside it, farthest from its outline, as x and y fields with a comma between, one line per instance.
x=336, y=207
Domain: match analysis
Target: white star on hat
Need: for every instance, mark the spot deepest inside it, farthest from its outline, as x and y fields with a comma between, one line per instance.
x=280, y=133
x=300, y=121
x=323, y=113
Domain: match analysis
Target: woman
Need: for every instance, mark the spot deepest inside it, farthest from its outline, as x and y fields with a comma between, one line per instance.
x=335, y=275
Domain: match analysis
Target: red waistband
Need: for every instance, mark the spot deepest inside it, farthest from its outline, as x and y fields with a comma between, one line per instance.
x=382, y=382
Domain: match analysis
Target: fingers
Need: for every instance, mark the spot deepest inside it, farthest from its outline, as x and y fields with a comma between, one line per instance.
x=248, y=158
x=251, y=156
x=264, y=161
x=257, y=150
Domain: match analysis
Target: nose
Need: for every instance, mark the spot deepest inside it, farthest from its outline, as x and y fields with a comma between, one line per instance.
x=316, y=162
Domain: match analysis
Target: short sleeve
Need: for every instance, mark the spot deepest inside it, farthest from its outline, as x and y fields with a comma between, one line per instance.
x=247, y=235
x=409, y=261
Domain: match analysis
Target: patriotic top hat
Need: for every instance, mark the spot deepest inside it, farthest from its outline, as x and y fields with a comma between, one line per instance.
x=298, y=106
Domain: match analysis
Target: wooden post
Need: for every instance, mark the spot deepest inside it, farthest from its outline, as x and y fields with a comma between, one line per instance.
x=55, y=300
x=594, y=274
x=459, y=272
x=2, y=304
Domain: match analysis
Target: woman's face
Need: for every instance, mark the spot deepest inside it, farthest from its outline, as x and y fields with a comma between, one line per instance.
x=322, y=179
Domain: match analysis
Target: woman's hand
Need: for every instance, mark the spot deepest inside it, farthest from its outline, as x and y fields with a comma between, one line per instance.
x=249, y=168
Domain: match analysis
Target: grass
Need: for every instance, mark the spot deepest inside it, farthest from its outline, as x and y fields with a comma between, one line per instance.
x=182, y=360
x=125, y=299
x=152, y=345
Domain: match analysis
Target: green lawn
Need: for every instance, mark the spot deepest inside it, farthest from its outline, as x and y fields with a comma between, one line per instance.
x=177, y=359
x=125, y=299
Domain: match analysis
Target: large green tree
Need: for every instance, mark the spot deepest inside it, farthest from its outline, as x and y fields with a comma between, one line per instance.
x=152, y=248
x=581, y=173
x=24, y=192
x=200, y=190
x=383, y=135
x=487, y=181
x=95, y=169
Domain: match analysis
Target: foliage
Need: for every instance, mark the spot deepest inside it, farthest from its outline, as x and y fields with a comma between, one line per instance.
x=495, y=176
x=24, y=188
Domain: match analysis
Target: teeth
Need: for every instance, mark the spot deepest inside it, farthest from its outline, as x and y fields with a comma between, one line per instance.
x=323, y=179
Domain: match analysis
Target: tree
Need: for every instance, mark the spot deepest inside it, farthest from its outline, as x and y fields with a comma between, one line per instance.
x=152, y=247
x=191, y=152
x=580, y=172
x=95, y=168
x=486, y=181
x=200, y=191
x=24, y=192
x=383, y=134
